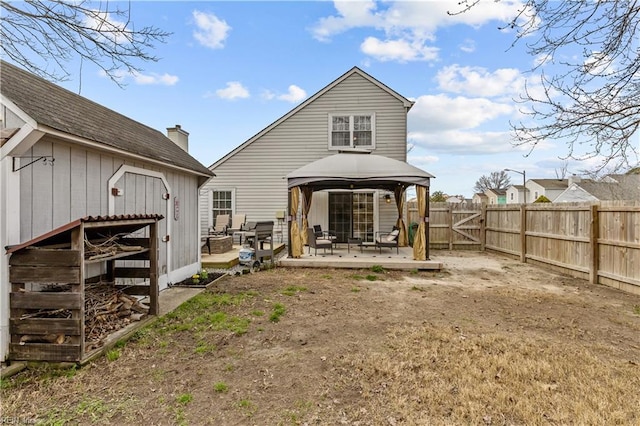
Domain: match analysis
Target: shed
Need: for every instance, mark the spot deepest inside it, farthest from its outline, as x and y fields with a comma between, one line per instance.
x=49, y=309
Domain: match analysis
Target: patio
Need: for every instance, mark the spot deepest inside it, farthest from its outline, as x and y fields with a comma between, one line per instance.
x=343, y=257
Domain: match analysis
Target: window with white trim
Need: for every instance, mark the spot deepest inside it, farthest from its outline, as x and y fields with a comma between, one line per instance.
x=351, y=131
x=222, y=203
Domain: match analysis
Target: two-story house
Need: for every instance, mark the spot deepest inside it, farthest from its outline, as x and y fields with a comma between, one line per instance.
x=354, y=113
x=550, y=188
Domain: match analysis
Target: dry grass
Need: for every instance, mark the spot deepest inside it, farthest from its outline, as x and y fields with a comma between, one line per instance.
x=437, y=375
x=458, y=347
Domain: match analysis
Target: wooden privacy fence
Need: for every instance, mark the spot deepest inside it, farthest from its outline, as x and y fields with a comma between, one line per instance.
x=597, y=242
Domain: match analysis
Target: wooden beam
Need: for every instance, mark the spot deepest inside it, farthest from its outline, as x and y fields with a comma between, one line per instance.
x=42, y=300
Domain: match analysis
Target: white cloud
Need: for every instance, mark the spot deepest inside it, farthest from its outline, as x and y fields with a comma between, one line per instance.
x=432, y=113
x=108, y=27
x=599, y=64
x=295, y=94
x=211, y=31
x=407, y=25
x=478, y=81
x=234, y=90
x=398, y=50
x=143, y=79
x=460, y=142
x=418, y=17
x=422, y=160
x=468, y=46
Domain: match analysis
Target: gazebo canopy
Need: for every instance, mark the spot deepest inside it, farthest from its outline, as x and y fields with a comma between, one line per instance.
x=357, y=171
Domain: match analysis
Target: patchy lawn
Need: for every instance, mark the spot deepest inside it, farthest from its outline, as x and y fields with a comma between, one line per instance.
x=486, y=341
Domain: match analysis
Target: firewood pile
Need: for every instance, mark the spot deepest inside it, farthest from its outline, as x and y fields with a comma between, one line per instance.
x=107, y=309
x=106, y=248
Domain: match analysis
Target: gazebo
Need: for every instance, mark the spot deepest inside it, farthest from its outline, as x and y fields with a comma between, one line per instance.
x=358, y=171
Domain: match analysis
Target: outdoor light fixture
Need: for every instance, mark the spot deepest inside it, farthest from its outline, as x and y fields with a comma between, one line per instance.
x=524, y=181
x=387, y=198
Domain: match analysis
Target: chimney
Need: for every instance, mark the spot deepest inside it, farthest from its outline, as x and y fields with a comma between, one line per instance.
x=179, y=137
x=574, y=179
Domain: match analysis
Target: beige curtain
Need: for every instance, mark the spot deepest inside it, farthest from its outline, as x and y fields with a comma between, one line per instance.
x=307, y=193
x=398, y=194
x=419, y=242
x=296, y=247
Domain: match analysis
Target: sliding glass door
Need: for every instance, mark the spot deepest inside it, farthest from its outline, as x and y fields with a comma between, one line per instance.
x=351, y=215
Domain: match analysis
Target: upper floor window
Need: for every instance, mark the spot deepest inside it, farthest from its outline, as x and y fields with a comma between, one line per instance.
x=352, y=131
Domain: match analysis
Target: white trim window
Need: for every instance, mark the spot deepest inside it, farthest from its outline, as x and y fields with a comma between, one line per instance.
x=222, y=202
x=352, y=131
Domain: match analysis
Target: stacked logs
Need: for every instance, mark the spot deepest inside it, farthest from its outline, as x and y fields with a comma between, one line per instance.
x=107, y=309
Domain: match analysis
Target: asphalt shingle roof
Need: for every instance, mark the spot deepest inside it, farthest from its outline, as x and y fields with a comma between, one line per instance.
x=55, y=107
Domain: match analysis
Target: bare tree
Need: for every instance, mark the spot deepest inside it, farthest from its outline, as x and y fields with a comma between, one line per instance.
x=43, y=37
x=563, y=171
x=592, y=104
x=496, y=180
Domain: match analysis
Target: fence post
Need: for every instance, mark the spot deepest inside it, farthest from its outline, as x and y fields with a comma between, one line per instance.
x=593, y=243
x=523, y=233
x=483, y=221
x=450, y=220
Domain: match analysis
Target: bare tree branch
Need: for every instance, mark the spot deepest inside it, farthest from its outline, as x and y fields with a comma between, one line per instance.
x=496, y=180
x=34, y=32
x=592, y=101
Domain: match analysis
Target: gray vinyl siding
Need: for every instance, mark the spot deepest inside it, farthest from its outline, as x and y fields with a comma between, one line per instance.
x=77, y=186
x=257, y=171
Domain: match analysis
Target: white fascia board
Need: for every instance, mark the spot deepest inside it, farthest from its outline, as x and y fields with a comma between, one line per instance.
x=102, y=147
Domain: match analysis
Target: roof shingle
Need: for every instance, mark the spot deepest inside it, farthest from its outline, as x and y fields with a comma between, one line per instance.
x=55, y=107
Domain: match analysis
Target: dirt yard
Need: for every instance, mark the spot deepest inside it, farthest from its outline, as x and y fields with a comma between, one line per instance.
x=488, y=340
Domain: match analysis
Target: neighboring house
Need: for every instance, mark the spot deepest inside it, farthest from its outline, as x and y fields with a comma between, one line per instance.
x=496, y=196
x=516, y=195
x=455, y=199
x=100, y=163
x=612, y=187
x=354, y=113
x=480, y=198
x=550, y=188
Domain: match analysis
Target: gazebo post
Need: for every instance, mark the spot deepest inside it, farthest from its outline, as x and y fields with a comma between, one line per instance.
x=426, y=222
x=289, y=252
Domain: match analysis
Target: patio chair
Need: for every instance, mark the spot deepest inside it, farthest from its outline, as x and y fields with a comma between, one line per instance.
x=237, y=223
x=317, y=243
x=388, y=239
x=220, y=228
x=325, y=235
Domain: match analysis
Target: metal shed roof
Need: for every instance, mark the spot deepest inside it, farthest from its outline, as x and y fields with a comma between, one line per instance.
x=117, y=224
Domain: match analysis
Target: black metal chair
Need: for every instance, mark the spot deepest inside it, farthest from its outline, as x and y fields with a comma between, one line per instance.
x=388, y=239
x=317, y=243
x=325, y=235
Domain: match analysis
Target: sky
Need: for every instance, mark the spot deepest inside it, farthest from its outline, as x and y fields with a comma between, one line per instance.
x=230, y=69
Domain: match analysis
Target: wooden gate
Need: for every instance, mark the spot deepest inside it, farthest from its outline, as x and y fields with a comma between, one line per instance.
x=451, y=226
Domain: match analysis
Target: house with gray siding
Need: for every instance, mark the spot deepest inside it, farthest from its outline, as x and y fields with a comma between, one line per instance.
x=64, y=157
x=354, y=113
x=612, y=187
